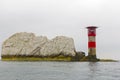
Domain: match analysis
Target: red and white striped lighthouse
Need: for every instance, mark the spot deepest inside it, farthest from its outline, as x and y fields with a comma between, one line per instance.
x=92, y=42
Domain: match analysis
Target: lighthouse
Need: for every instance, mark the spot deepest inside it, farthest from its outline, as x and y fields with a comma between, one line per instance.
x=92, y=43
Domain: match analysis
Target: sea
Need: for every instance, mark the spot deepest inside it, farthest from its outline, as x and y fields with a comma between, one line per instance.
x=13, y=70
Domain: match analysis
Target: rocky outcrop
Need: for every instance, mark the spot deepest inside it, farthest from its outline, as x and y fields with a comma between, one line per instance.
x=59, y=45
x=30, y=45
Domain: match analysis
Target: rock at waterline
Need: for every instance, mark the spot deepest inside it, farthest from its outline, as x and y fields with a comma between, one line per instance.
x=27, y=44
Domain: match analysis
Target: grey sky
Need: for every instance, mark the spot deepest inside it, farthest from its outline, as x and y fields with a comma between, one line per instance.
x=65, y=17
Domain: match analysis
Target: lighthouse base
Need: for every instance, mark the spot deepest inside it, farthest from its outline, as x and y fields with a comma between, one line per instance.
x=92, y=58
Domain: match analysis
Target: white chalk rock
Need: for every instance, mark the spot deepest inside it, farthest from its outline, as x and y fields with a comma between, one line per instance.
x=30, y=45
x=59, y=45
x=22, y=44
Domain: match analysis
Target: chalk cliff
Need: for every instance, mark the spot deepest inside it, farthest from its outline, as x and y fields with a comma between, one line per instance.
x=28, y=44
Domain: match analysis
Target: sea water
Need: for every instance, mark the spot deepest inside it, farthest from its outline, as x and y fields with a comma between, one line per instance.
x=59, y=70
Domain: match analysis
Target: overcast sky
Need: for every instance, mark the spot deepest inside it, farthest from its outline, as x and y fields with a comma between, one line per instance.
x=65, y=17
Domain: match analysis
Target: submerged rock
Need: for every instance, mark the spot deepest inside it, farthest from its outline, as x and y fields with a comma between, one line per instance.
x=27, y=44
